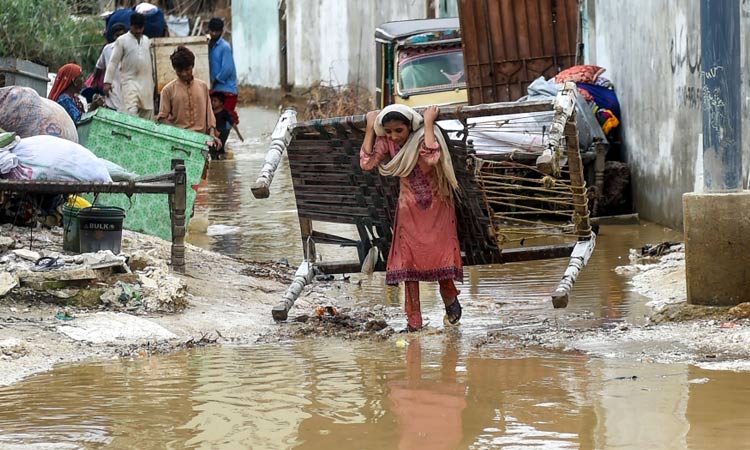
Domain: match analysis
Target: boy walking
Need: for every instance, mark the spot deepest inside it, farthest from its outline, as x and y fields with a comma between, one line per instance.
x=224, y=121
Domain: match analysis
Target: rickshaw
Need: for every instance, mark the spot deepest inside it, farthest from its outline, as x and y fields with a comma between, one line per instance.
x=420, y=62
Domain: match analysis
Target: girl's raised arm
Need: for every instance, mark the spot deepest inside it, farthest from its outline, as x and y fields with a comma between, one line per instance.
x=430, y=114
x=369, y=155
x=369, y=142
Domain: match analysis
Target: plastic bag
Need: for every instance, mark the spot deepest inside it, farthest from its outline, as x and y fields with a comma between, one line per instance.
x=117, y=172
x=51, y=158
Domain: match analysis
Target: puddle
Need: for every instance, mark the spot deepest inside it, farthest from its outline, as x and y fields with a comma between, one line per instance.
x=433, y=392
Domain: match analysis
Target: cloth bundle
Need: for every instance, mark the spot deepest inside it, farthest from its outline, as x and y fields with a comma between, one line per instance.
x=50, y=158
x=598, y=91
x=8, y=159
x=24, y=112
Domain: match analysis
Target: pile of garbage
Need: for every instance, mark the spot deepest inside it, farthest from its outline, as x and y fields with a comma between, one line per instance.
x=34, y=268
x=346, y=323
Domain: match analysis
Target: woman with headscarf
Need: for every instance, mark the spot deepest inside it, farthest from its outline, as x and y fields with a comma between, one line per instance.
x=66, y=88
x=425, y=242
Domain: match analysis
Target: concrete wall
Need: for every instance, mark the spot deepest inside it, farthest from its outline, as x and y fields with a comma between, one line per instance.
x=652, y=53
x=255, y=41
x=330, y=41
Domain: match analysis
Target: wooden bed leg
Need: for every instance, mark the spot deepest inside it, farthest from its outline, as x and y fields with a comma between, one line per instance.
x=308, y=246
x=301, y=279
x=177, y=206
x=304, y=273
x=578, y=260
x=280, y=139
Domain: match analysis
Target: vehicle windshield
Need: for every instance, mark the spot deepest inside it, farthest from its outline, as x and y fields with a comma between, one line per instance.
x=436, y=69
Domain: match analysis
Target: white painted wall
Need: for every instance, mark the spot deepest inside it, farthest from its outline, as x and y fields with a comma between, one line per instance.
x=255, y=42
x=330, y=41
x=651, y=51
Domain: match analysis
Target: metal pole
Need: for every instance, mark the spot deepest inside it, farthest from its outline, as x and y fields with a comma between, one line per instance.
x=283, y=46
x=720, y=70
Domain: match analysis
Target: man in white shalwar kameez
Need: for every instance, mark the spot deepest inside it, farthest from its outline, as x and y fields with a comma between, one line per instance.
x=113, y=100
x=132, y=55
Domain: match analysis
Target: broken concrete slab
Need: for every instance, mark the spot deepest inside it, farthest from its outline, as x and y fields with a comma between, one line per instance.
x=6, y=243
x=8, y=281
x=28, y=255
x=77, y=274
x=105, y=327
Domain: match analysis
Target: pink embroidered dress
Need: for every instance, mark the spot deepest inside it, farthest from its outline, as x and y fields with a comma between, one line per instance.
x=425, y=243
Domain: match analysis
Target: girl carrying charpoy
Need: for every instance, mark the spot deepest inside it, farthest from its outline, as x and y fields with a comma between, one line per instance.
x=425, y=243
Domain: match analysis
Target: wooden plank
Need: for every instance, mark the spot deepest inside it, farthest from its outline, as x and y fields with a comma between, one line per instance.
x=324, y=168
x=468, y=21
x=446, y=113
x=514, y=255
x=532, y=14
x=327, y=216
x=505, y=41
x=305, y=209
x=315, y=197
x=331, y=177
x=509, y=43
x=323, y=158
x=336, y=267
x=339, y=190
x=308, y=248
x=327, y=238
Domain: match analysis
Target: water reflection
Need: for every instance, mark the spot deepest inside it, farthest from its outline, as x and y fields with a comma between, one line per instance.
x=434, y=392
x=428, y=410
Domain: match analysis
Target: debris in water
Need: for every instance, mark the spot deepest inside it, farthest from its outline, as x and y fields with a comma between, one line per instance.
x=333, y=322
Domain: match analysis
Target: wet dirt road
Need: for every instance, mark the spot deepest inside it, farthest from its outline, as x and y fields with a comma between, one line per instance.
x=434, y=391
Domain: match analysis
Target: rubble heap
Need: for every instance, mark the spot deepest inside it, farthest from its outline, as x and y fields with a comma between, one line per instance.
x=33, y=267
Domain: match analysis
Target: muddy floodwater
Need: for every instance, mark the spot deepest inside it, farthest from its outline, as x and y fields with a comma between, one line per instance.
x=436, y=390
x=431, y=393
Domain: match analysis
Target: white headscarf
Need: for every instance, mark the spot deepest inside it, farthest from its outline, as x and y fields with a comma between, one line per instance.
x=403, y=163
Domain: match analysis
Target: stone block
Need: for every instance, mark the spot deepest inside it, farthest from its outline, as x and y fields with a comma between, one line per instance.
x=717, y=248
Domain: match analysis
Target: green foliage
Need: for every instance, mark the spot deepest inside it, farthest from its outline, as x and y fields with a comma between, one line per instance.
x=46, y=32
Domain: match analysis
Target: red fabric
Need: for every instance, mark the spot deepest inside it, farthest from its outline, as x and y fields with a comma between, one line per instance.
x=580, y=74
x=65, y=76
x=412, y=306
x=448, y=291
x=425, y=241
x=95, y=80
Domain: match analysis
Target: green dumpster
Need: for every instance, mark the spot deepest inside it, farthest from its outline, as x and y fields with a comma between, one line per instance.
x=144, y=148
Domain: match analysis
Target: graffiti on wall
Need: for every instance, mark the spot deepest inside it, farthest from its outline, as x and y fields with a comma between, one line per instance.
x=685, y=63
x=685, y=50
